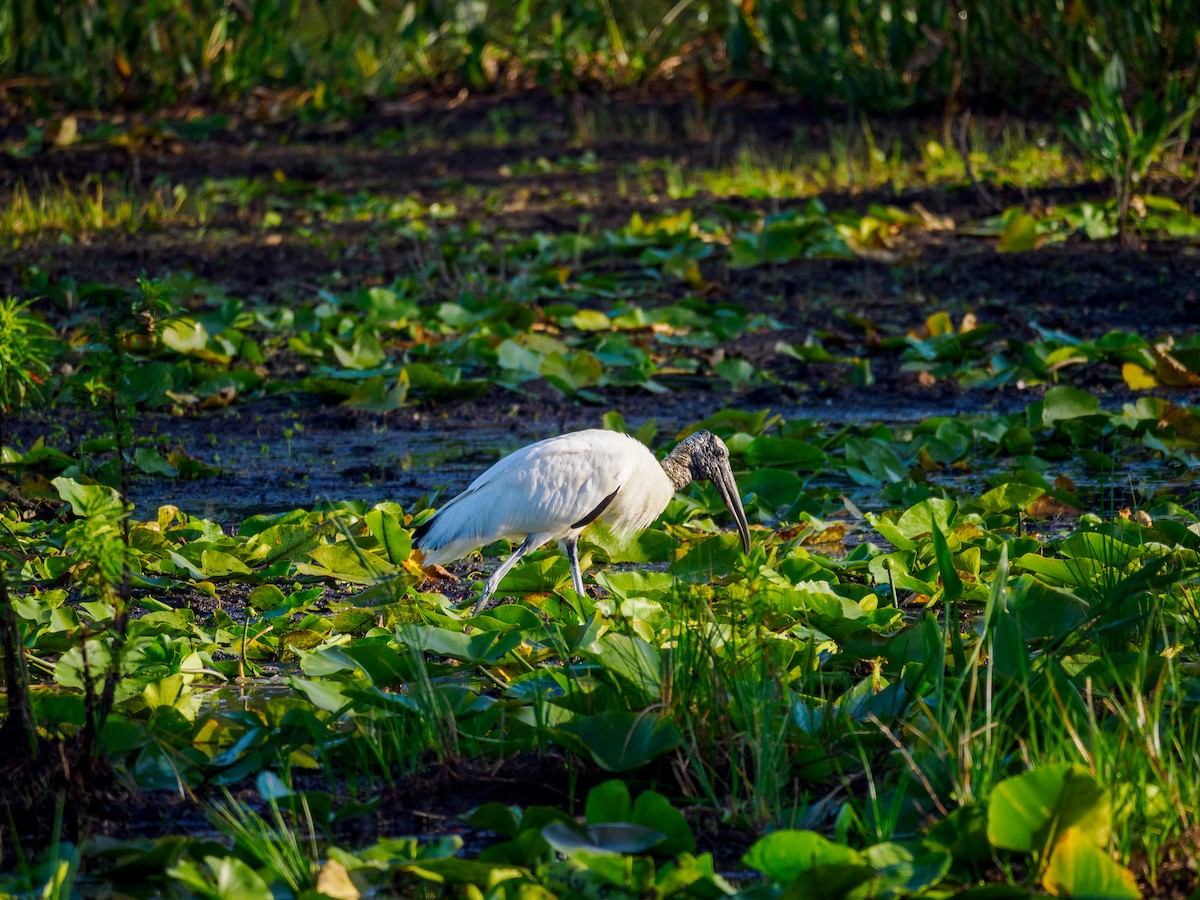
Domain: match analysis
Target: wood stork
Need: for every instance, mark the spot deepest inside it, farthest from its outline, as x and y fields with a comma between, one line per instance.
x=554, y=489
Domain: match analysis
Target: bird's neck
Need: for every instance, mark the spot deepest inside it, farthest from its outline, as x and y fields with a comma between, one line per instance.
x=677, y=470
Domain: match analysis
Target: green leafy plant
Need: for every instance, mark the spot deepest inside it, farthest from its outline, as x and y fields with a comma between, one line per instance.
x=24, y=355
x=1127, y=141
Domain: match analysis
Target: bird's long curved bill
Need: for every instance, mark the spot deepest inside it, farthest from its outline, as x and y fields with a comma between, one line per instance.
x=727, y=487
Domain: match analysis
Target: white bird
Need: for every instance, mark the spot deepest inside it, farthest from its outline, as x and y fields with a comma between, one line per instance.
x=554, y=489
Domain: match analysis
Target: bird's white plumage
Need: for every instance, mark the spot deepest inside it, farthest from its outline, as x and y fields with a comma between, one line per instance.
x=549, y=491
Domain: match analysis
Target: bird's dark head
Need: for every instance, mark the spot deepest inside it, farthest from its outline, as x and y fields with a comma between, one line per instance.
x=701, y=454
x=704, y=457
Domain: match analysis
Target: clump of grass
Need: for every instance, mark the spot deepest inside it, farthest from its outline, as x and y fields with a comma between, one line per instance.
x=79, y=211
x=25, y=351
x=728, y=692
x=852, y=159
x=274, y=844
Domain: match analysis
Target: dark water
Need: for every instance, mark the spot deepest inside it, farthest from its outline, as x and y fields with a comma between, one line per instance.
x=271, y=462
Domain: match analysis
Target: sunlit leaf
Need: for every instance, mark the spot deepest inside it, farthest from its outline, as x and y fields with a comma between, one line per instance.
x=1021, y=234
x=345, y=562
x=394, y=539
x=1034, y=810
x=1079, y=868
x=785, y=855
x=1138, y=378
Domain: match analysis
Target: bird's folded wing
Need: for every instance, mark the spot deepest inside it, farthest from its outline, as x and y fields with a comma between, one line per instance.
x=547, y=495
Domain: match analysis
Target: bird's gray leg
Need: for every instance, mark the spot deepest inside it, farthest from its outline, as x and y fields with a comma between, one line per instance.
x=572, y=545
x=503, y=569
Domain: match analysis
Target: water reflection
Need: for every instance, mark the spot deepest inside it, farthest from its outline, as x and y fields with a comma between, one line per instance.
x=249, y=695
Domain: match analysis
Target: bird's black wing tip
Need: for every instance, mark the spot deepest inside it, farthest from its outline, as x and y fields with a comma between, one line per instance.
x=421, y=530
